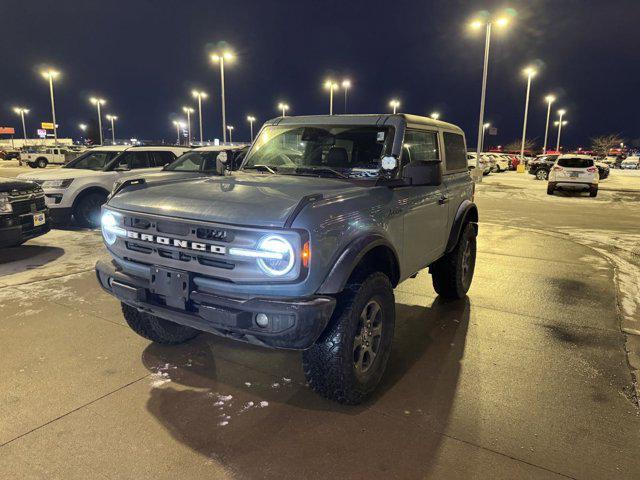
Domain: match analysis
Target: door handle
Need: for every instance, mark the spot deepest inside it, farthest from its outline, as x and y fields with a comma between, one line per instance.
x=443, y=199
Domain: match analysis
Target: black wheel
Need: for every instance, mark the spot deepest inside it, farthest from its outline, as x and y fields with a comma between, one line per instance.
x=87, y=209
x=42, y=163
x=452, y=274
x=349, y=359
x=593, y=191
x=550, y=189
x=32, y=165
x=542, y=174
x=157, y=329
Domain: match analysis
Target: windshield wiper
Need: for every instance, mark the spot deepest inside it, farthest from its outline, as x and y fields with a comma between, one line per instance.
x=320, y=171
x=262, y=168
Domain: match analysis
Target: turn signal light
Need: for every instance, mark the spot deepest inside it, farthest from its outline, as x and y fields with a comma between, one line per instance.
x=306, y=255
x=591, y=169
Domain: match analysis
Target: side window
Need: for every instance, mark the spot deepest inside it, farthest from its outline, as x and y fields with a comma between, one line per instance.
x=455, y=152
x=420, y=146
x=135, y=160
x=160, y=159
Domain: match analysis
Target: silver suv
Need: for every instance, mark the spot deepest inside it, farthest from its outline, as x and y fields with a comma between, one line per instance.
x=302, y=247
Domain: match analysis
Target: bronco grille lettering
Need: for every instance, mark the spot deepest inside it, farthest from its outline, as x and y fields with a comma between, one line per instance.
x=187, y=244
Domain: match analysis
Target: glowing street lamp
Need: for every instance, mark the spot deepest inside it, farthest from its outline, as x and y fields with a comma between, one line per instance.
x=22, y=112
x=188, y=111
x=484, y=129
x=98, y=102
x=435, y=115
x=331, y=86
x=501, y=21
x=346, y=85
x=395, y=103
x=83, y=127
x=199, y=95
x=549, y=99
x=220, y=57
x=251, y=119
x=560, y=123
x=284, y=107
x=530, y=72
x=112, y=119
x=179, y=126
x=230, y=128
x=50, y=75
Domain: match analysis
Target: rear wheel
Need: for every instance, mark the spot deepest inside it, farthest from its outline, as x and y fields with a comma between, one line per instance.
x=550, y=189
x=42, y=163
x=157, y=329
x=452, y=274
x=542, y=174
x=593, y=191
x=349, y=359
x=87, y=209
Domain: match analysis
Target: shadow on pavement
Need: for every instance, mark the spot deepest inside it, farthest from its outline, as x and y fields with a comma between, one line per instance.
x=428, y=348
x=27, y=257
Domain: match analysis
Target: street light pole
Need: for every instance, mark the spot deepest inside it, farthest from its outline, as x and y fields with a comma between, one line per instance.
x=220, y=59
x=177, y=125
x=484, y=130
x=331, y=85
x=98, y=102
x=530, y=72
x=346, y=85
x=251, y=119
x=188, y=111
x=112, y=118
x=561, y=114
x=230, y=128
x=550, y=99
x=21, y=111
x=50, y=74
x=199, y=96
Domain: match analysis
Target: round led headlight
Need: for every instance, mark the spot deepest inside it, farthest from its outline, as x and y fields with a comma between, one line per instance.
x=283, y=256
x=109, y=228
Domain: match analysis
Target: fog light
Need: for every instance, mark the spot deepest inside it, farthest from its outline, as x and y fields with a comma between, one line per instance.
x=262, y=320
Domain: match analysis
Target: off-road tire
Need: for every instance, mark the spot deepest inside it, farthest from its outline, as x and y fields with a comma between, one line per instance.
x=593, y=191
x=542, y=174
x=329, y=365
x=550, y=189
x=86, y=210
x=157, y=329
x=453, y=273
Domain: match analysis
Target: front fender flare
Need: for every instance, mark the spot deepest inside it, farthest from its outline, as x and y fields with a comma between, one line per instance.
x=339, y=275
x=467, y=213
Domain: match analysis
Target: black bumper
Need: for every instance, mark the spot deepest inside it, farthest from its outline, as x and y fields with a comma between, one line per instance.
x=14, y=230
x=294, y=323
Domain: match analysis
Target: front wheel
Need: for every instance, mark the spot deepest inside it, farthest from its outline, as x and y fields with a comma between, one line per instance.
x=542, y=174
x=156, y=329
x=349, y=359
x=87, y=209
x=452, y=274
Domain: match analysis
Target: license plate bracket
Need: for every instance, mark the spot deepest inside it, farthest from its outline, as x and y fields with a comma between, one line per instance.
x=173, y=285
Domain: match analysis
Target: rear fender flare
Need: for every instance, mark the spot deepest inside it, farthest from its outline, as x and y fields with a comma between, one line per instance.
x=467, y=213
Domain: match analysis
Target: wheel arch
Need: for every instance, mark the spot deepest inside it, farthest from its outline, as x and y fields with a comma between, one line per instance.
x=467, y=213
x=86, y=191
x=371, y=251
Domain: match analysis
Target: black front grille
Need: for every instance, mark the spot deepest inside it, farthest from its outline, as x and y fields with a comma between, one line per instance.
x=214, y=234
x=31, y=205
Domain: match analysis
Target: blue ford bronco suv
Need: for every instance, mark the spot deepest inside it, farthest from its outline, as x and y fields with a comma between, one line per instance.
x=302, y=247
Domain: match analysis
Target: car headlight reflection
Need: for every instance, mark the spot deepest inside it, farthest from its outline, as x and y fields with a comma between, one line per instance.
x=110, y=228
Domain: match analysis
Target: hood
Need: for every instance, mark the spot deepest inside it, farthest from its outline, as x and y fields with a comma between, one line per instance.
x=10, y=184
x=59, y=174
x=251, y=199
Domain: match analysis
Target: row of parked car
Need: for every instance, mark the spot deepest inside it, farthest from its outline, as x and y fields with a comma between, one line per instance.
x=495, y=162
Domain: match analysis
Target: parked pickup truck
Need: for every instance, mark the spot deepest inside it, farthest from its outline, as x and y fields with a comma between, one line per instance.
x=302, y=247
x=49, y=156
x=23, y=213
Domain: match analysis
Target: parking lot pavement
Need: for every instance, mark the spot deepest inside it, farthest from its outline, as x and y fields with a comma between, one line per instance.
x=526, y=378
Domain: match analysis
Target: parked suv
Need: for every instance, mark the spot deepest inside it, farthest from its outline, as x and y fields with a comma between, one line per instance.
x=23, y=213
x=542, y=165
x=302, y=247
x=80, y=187
x=574, y=172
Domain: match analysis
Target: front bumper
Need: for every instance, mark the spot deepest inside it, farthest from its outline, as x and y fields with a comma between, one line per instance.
x=294, y=323
x=17, y=229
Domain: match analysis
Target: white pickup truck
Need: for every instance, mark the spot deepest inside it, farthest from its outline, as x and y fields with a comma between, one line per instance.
x=50, y=156
x=81, y=186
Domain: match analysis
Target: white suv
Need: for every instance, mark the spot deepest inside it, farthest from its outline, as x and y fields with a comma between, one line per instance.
x=574, y=172
x=80, y=187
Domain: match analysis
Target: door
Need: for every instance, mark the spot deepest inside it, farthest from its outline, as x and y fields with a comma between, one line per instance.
x=456, y=175
x=425, y=207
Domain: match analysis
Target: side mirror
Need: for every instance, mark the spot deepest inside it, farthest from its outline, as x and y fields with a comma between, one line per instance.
x=221, y=163
x=421, y=173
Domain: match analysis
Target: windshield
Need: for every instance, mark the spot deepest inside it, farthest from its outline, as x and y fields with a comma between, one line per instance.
x=195, y=162
x=575, y=162
x=336, y=151
x=92, y=160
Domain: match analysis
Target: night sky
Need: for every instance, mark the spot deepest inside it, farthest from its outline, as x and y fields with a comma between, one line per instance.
x=145, y=57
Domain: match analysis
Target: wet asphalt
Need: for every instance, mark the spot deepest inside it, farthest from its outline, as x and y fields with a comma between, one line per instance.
x=528, y=377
